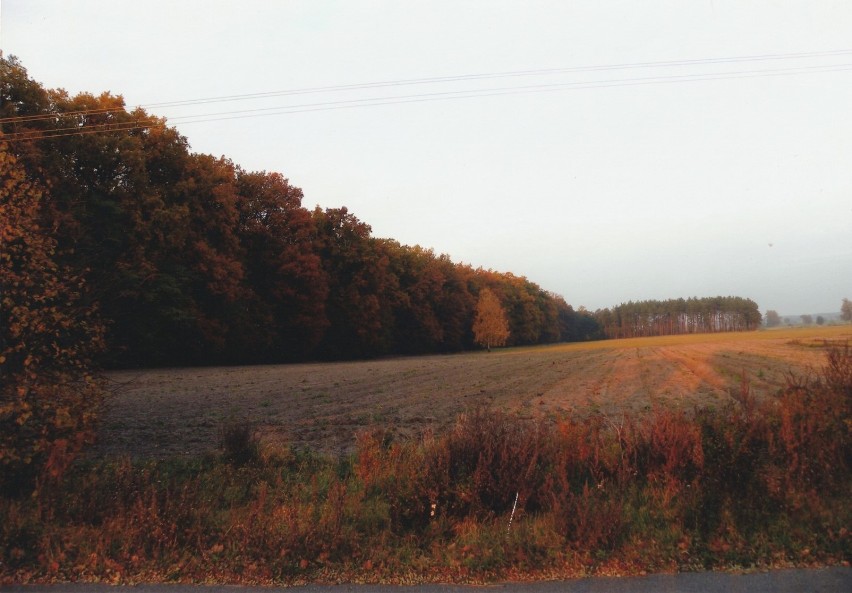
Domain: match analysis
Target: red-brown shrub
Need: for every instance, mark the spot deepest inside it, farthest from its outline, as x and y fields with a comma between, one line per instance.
x=815, y=423
x=483, y=463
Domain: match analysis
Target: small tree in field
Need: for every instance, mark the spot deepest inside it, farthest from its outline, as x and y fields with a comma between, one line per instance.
x=772, y=318
x=490, y=326
x=846, y=310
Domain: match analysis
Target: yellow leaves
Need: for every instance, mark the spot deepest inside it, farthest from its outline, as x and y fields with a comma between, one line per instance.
x=490, y=326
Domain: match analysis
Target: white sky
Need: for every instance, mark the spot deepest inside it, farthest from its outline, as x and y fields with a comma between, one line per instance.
x=605, y=193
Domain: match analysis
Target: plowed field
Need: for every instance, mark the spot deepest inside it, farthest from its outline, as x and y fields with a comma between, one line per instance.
x=162, y=412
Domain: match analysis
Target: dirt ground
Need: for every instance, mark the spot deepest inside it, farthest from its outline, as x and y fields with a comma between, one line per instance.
x=162, y=412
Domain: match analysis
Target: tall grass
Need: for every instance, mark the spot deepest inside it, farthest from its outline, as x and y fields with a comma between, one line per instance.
x=753, y=483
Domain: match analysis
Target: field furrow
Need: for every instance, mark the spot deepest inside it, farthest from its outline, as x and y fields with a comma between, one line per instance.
x=160, y=412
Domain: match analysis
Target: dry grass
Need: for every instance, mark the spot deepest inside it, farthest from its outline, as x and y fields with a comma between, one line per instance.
x=756, y=482
x=157, y=413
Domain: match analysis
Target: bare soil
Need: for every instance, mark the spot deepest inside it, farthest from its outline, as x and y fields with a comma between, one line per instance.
x=164, y=412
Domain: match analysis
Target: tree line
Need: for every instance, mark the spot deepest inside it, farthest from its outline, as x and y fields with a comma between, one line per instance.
x=679, y=316
x=191, y=259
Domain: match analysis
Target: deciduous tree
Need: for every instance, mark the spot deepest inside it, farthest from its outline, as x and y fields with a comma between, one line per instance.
x=490, y=326
x=287, y=316
x=49, y=397
x=773, y=319
x=361, y=289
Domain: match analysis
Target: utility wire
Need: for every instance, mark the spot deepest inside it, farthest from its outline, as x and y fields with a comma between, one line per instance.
x=62, y=132
x=476, y=93
x=444, y=79
x=511, y=74
x=399, y=99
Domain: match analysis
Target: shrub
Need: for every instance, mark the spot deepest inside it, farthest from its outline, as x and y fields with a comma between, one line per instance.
x=815, y=425
x=487, y=459
x=239, y=441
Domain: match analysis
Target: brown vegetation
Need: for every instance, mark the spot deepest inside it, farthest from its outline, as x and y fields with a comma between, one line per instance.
x=48, y=332
x=156, y=413
x=754, y=482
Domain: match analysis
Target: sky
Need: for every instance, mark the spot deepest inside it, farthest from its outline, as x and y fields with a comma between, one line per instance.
x=606, y=150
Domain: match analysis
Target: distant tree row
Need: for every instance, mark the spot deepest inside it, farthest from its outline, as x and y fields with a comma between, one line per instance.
x=773, y=319
x=193, y=260
x=679, y=316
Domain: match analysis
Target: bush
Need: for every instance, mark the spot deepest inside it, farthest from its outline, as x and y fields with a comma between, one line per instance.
x=239, y=442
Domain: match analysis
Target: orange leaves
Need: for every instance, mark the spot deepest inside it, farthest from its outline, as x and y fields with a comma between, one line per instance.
x=46, y=339
x=222, y=272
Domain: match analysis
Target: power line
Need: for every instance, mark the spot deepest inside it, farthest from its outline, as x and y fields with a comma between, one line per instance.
x=511, y=74
x=62, y=132
x=476, y=93
x=423, y=97
x=445, y=79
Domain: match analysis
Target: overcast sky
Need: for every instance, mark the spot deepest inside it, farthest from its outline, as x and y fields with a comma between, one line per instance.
x=627, y=150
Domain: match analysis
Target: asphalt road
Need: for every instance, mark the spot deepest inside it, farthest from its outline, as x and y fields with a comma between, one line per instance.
x=826, y=580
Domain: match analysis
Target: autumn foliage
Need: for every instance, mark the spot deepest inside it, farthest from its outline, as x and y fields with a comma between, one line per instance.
x=48, y=334
x=490, y=326
x=194, y=260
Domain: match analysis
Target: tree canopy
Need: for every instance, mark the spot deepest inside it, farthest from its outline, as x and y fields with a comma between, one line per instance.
x=680, y=316
x=48, y=333
x=194, y=260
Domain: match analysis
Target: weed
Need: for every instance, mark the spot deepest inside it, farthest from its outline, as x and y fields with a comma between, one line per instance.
x=239, y=441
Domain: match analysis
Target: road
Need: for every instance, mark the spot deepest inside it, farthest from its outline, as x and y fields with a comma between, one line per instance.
x=827, y=580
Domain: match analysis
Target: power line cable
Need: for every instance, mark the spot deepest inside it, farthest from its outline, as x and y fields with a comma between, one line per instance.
x=528, y=89
x=63, y=132
x=518, y=73
x=444, y=79
x=414, y=98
